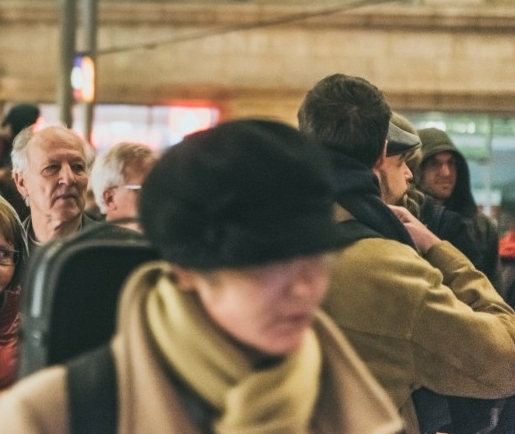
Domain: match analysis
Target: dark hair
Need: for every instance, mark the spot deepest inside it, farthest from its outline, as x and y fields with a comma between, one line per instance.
x=348, y=114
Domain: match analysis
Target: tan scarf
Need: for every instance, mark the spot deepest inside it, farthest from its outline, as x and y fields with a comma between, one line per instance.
x=280, y=399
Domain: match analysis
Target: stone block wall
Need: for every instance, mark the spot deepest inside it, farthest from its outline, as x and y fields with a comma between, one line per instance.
x=259, y=59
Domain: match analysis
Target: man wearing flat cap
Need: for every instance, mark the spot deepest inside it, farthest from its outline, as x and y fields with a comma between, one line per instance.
x=394, y=174
x=414, y=307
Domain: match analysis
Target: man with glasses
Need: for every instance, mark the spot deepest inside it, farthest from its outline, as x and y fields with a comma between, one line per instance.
x=116, y=179
x=50, y=169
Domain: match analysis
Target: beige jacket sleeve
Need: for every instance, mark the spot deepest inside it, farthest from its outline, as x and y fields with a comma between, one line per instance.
x=435, y=322
x=471, y=336
x=36, y=405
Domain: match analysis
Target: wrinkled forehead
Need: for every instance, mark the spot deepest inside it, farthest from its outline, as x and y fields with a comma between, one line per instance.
x=55, y=141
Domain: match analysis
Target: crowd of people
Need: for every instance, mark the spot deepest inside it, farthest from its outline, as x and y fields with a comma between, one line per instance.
x=335, y=277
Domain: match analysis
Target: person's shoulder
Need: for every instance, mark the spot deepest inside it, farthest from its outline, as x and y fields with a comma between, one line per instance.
x=36, y=404
x=487, y=227
x=485, y=220
x=380, y=258
x=376, y=247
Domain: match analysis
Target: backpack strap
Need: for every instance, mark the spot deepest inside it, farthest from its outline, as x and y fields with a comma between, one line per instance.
x=92, y=393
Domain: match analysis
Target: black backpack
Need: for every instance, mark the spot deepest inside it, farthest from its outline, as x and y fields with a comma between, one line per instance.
x=70, y=293
x=92, y=393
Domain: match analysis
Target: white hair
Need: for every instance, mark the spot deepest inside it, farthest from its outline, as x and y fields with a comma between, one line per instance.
x=19, y=155
x=109, y=168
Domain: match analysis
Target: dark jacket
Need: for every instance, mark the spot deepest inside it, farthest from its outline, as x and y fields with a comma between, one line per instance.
x=27, y=224
x=448, y=225
x=482, y=230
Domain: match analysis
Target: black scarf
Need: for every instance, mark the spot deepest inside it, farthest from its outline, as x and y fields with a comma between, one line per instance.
x=357, y=189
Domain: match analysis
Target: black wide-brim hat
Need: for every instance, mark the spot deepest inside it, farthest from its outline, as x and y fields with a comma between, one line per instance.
x=244, y=193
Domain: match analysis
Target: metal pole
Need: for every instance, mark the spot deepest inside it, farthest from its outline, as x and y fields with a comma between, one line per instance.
x=90, y=11
x=65, y=94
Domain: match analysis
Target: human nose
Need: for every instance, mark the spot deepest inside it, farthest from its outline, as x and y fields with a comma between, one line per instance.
x=311, y=278
x=66, y=175
x=409, y=173
x=445, y=169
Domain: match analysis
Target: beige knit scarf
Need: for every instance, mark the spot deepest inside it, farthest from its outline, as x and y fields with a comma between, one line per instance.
x=280, y=399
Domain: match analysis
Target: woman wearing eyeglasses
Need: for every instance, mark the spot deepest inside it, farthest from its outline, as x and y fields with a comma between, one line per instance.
x=13, y=257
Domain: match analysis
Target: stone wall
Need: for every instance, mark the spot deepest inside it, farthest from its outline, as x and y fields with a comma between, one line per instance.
x=259, y=59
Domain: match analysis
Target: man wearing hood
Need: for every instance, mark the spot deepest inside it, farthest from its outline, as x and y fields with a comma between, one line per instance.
x=444, y=175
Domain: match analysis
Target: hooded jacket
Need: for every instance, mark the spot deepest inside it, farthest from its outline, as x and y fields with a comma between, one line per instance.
x=481, y=229
x=430, y=322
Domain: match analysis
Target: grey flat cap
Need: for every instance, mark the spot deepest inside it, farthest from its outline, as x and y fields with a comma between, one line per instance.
x=400, y=141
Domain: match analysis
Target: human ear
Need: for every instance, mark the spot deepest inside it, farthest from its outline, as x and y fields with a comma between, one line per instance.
x=109, y=201
x=382, y=158
x=19, y=180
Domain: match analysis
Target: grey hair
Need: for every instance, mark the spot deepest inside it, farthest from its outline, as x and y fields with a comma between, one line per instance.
x=110, y=166
x=19, y=155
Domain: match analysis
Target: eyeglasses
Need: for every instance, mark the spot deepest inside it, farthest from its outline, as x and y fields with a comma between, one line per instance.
x=131, y=186
x=9, y=257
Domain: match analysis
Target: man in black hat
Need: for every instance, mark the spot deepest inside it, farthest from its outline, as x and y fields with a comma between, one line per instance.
x=17, y=118
x=225, y=334
x=414, y=307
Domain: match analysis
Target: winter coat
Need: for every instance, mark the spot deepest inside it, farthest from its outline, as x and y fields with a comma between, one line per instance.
x=420, y=326
x=433, y=322
x=448, y=225
x=149, y=402
x=482, y=230
x=9, y=325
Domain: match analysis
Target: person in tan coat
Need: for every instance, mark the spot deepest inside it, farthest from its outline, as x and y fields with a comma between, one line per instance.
x=429, y=325
x=225, y=334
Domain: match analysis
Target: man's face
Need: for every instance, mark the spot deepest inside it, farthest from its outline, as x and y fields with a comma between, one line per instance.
x=394, y=178
x=56, y=177
x=122, y=201
x=439, y=174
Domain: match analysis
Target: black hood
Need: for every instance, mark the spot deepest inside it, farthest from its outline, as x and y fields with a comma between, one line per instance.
x=435, y=141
